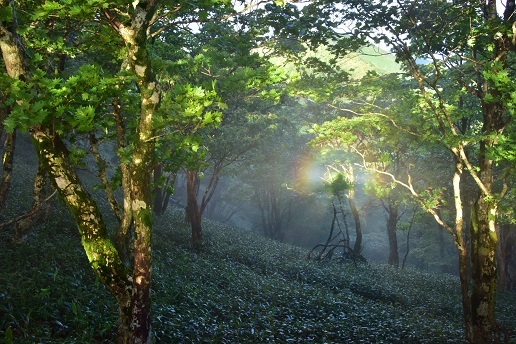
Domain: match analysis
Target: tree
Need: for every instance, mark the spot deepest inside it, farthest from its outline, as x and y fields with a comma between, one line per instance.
x=91, y=77
x=458, y=54
x=341, y=182
x=13, y=61
x=365, y=109
x=86, y=100
x=221, y=57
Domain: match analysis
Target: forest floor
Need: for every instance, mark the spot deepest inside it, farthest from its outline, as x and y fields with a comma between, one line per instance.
x=241, y=288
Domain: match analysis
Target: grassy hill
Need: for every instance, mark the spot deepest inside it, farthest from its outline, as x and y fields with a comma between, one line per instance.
x=369, y=58
x=357, y=64
x=242, y=288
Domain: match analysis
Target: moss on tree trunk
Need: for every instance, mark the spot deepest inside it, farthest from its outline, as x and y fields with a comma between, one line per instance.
x=102, y=255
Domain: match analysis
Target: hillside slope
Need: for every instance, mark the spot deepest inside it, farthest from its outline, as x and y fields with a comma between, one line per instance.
x=241, y=289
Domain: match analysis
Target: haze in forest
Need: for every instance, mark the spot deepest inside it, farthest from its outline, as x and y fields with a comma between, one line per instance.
x=270, y=151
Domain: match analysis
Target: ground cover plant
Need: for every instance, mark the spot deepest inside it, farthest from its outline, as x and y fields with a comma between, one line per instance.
x=240, y=288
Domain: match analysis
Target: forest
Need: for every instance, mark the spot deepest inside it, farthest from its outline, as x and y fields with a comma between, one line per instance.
x=253, y=171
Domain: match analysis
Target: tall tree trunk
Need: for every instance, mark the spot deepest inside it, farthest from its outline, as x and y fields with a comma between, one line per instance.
x=392, y=223
x=483, y=272
x=484, y=237
x=407, y=243
x=484, y=241
x=192, y=208
x=134, y=35
x=357, y=247
x=123, y=237
x=15, y=68
x=131, y=292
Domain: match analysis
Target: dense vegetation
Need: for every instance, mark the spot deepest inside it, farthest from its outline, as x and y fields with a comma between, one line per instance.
x=241, y=288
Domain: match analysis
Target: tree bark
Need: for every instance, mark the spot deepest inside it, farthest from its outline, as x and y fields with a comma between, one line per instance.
x=122, y=235
x=357, y=247
x=484, y=274
x=484, y=240
x=102, y=173
x=504, y=256
x=192, y=208
x=134, y=34
x=101, y=253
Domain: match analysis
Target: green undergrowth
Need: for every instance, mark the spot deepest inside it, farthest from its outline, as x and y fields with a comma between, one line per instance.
x=241, y=288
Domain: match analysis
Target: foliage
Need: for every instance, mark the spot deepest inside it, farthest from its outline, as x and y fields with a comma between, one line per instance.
x=339, y=185
x=242, y=287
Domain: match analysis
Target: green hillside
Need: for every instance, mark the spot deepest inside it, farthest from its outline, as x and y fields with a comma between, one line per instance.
x=242, y=288
x=368, y=58
x=379, y=60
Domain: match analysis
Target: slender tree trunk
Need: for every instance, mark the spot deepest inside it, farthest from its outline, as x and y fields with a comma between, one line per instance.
x=344, y=216
x=134, y=35
x=357, y=247
x=7, y=168
x=162, y=193
x=484, y=237
x=212, y=186
x=102, y=173
x=122, y=239
x=192, y=208
x=392, y=223
x=41, y=206
x=407, y=244
x=15, y=68
x=460, y=239
x=135, y=39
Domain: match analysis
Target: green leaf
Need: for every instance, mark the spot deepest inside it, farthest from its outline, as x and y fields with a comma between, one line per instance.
x=6, y=14
x=8, y=337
